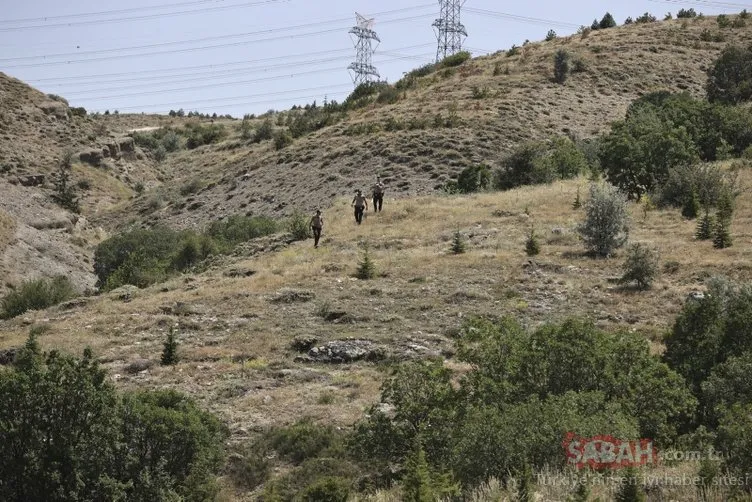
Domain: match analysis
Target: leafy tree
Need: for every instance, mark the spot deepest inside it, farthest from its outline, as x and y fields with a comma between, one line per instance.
x=474, y=179
x=730, y=77
x=561, y=66
x=607, y=21
x=540, y=162
x=734, y=438
x=606, y=225
x=69, y=436
x=639, y=152
x=728, y=384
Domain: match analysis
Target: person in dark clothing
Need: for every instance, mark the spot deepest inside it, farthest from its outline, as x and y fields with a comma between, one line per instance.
x=317, y=223
x=360, y=203
x=378, y=195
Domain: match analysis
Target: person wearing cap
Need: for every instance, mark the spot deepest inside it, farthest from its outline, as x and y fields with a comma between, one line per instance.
x=378, y=195
x=360, y=203
x=317, y=223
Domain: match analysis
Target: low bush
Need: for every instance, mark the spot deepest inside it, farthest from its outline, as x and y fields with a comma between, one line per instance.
x=36, y=295
x=203, y=134
x=238, y=228
x=540, y=162
x=642, y=266
x=606, y=224
x=299, y=226
x=455, y=59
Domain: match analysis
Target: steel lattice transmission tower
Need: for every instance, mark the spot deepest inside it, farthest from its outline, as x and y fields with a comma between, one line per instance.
x=450, y=32
x=362, y=69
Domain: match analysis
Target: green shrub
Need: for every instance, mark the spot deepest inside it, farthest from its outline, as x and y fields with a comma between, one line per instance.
x=691, y=207
x=540, y=162
x=642, y=265
x=474, y=179
x=36, y=295
x=159, y=154
x=236, y=228
x=727, y=384
x=606, y=225
x=198, y=134
x=299, y=226
x=282, y=139
x=686, y=14
x=264, y=132
x=631, y=489
x=327, y=489
x=303, y=440
x=388, y=95
x=171, y=141
x=551, y=35
x=455, y=59
x=723, y=21
x=561, y=66
x=646, y=18
x=249, y=466
x=70, y=436
x=246, y=129
x=703, y=184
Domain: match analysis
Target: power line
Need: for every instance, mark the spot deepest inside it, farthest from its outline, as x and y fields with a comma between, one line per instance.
x=523, y=19
x=194, y=49
x=141, y=17
x=105, y=13
x=202, y=39
x=706, y=3
x=251, y=103
x=247, y=96
x=150, y=75
x=201, y=76
x=207, y=86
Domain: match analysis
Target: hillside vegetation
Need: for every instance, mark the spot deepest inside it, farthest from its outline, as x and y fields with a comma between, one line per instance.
x=555, y=255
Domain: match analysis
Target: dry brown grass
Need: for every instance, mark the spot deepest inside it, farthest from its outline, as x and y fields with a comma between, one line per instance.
x=7, y=230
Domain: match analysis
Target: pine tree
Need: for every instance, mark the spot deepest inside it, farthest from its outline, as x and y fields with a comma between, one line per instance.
x=170, y=351
x=526, y=489
x=630, y=490
x=532, y=246
x=416, y=483
x=366, y=267
x=722, y=234
x=64, y=191
x=458, y=243
x=705, y=227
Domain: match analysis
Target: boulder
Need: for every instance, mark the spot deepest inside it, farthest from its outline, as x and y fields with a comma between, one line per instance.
x=126, y=144
x=114, y=149
x=32, y=180
x=57, y=109
x=346, y=351
x=93, y=157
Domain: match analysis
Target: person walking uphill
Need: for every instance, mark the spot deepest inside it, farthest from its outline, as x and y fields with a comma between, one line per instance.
x=378, y=195
x=359, y=202
x=317, y=223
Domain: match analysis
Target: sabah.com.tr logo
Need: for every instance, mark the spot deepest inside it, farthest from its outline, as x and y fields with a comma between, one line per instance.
x=608, y=452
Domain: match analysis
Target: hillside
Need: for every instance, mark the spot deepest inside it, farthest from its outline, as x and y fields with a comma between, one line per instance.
x=278, y=330
x=498, y=102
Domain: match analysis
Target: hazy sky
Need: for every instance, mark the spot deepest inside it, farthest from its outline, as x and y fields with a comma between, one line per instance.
x=247, y=56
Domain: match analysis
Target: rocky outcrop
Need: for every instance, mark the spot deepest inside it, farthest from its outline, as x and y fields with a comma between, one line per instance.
x=346, y=351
